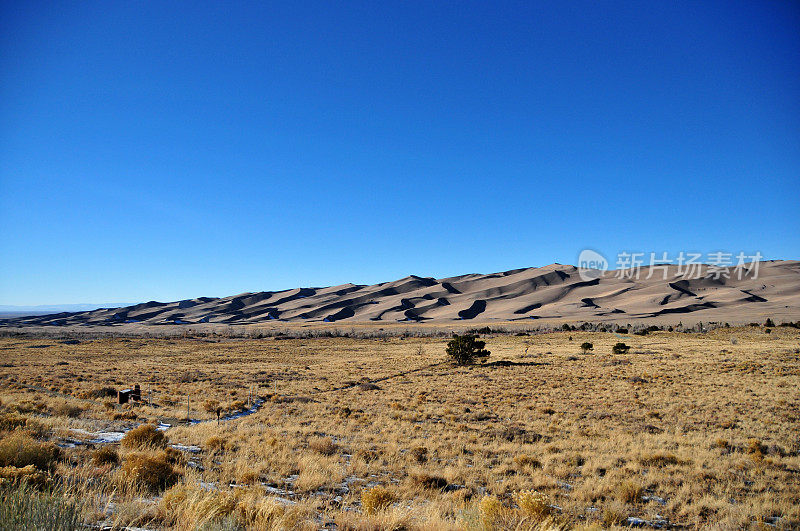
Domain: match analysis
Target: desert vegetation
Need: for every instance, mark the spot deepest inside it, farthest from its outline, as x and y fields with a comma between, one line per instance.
x=389, y=432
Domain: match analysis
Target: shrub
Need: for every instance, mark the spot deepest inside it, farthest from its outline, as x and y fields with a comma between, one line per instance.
x=769, y=323
x=105, y=455
x=527, y=461
x=586, y=347
x=659, y=459
x=10, y=421
x=323, y=445
x=367, y=456
x=28, y=474
x=65, y=409
x=143, y=437
x=427, y=481
x=20, y=450
x=620, y=348
x=376, y=499
x=215, y=443
x=419, y=454
x=152, y=472
x=100, y=392
x=466, y=349
x=491, y=509
x=613, y=516
x=629, y=492
x=533, y=504
x=174, y=456
x=755, y=447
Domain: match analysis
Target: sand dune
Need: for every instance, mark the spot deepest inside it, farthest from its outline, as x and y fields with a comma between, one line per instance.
x=551, y=293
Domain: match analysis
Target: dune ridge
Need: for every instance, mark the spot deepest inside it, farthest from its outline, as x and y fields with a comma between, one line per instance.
x=551, y=293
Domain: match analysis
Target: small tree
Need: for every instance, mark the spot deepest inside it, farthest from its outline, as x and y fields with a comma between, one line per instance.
x=586, y=347
x=620, y=348
x=466, y=349
x=769, y=323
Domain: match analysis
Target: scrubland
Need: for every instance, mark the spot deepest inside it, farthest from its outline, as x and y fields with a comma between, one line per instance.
x=686, y=430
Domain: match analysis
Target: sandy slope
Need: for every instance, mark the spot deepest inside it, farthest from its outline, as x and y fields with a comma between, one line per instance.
x=550, y=293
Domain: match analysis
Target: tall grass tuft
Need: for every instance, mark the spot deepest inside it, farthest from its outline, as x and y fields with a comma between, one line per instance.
x=23, y=507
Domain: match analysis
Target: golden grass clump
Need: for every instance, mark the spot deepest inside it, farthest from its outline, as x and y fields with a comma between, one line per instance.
x=11, y=421
x=150, y=471
x=144, y=437
x=659, y=459
x=533, y=504
x=427, y=481
x=755, y=448
x=323, y=445
x=66, y=409
x=191, y=507
x=20, y=450
x=419, y=454
x=629, y=492
x=28, y=474
x=491, y=510
x=105, y=455
x=527, y=461
x=376, y=499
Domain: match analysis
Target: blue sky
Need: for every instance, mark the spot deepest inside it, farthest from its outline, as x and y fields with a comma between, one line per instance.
x=182, y=149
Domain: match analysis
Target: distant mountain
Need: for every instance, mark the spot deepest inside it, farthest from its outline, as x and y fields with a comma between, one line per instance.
x=551, y=293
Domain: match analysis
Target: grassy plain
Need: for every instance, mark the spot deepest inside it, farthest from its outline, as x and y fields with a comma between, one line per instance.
x=686, y=429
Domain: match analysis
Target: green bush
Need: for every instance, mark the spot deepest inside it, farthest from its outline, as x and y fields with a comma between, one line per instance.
x=466, y=349
x=620, y=348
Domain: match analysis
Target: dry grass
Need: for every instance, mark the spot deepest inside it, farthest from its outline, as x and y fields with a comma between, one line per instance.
x=144, y=437
x=376, y=499
x=20, y=450
x=105, y=455
x=697, y=428
x=152, y=472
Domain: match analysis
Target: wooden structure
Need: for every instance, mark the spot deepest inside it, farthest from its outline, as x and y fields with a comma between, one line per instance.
x=129, y=395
